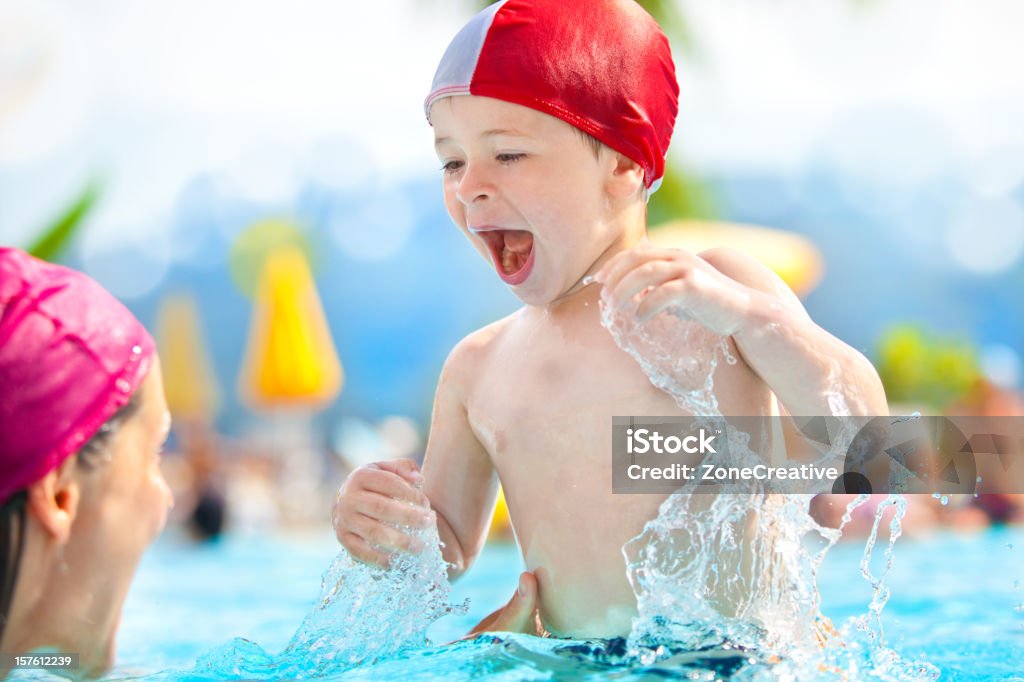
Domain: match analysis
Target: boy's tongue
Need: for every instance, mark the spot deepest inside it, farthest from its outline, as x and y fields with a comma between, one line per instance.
x=517, y=247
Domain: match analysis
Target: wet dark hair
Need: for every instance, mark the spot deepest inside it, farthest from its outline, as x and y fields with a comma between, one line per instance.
x=97, y=448
x=13, y=515
x=12, y=541
x=595, y=144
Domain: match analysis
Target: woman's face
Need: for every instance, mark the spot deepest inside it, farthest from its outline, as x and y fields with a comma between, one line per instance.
x=123, y=507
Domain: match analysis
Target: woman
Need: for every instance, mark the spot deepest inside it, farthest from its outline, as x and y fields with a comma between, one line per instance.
x=82, y=421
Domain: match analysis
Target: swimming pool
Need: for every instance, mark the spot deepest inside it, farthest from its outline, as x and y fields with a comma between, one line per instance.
x=953, y=604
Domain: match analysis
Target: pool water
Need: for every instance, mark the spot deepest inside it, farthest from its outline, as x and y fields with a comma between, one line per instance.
x=956, y=603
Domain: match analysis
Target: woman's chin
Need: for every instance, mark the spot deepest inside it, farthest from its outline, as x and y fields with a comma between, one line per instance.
x=101, y=658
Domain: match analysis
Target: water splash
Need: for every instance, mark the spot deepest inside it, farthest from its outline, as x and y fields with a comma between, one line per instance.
x=738, y=569
x=689, y=378
x=364, y=614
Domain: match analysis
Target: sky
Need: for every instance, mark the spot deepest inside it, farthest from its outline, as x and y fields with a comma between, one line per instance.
x=264, y=93
x=888, y=131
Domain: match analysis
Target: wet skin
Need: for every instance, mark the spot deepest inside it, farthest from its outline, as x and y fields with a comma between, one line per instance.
x=529, y=400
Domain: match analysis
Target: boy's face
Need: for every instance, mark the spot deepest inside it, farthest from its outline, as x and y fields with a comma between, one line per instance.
x=527, y=191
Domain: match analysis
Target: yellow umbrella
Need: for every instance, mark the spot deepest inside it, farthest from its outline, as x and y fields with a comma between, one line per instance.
x=793, y=257
x=189, y=384
x=290, y=357
x=501, y=522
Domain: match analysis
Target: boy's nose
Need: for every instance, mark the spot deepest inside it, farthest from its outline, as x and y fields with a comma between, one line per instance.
x=474, y=186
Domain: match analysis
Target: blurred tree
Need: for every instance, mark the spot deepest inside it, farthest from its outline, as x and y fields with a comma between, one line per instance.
x=922, y=368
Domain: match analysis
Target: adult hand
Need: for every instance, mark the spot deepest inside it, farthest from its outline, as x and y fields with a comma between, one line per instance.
x=518, y=615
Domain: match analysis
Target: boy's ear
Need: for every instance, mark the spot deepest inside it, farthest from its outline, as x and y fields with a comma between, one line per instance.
x=53, y=501
x=626, y=178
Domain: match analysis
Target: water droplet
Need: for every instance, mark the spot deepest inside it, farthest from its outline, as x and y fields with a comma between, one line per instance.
x=1009, y=545
x=944, y=500
x=1016, y=584
x=123, y=385
x=136, y=350
x=729, y=358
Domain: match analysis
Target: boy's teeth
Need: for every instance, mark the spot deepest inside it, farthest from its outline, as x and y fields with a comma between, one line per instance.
x=514, y=249
x=508, y=261
x=519, y=241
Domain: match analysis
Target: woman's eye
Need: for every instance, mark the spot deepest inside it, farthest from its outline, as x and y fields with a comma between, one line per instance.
x=450, y=167
x=510, y=157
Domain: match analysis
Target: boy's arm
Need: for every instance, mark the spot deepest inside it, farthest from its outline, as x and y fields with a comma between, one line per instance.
x=809, y=370
x=461, y=482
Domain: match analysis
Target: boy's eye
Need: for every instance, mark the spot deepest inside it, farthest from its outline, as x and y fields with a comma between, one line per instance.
x=509, y=157
x=450, y=167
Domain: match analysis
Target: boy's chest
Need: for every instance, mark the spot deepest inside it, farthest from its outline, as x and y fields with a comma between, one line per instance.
x=544, y=393
x=559, y=396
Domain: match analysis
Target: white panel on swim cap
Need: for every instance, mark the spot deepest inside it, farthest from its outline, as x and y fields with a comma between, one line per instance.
x=654, y=187
x=458, y=64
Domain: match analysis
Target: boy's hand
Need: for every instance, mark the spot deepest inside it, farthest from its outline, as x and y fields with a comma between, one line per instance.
x=674, y=278
x=373, y=503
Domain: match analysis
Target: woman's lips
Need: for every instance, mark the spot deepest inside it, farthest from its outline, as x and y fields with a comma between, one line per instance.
x=511, y=252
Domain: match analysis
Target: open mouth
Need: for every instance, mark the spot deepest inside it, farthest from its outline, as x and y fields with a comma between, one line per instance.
x=511, y=252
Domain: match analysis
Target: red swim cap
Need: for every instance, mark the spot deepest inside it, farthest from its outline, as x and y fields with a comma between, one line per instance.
x=603, y=66
x=70, y=356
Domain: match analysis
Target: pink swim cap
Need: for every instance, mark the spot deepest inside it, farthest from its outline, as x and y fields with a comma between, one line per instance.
x=70, y=356
x=603, y=66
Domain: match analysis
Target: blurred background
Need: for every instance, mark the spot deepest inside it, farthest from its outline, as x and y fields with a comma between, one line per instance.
x=256, y=181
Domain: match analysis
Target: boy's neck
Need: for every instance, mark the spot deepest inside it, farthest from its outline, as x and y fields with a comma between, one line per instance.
x=585, y=292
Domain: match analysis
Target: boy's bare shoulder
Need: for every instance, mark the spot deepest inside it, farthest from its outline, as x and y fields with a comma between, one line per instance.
x=470, y=354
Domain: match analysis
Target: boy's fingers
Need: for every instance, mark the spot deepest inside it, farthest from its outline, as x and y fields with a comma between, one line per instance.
x=625, y=262
x=406, y=468
x=389, y=510
x=383, y=537
x=671, y=293
x=392, y=485
x=360, y=549
x=650, y=274
x=609, y=273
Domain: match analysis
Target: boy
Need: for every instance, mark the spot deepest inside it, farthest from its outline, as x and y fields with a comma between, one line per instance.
x=551, y=121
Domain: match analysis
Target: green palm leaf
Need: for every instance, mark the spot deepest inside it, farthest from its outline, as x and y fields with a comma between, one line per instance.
x=60, y=233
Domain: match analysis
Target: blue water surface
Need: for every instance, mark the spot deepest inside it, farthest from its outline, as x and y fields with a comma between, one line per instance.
x=956, y=603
